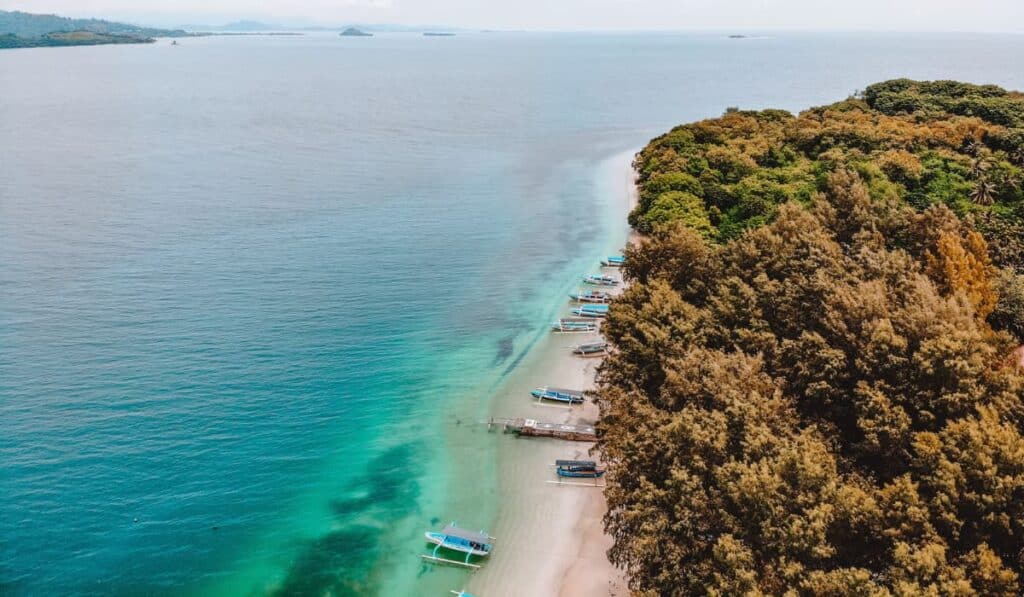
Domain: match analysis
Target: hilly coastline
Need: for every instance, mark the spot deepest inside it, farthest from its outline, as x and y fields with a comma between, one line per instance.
x=27, y=30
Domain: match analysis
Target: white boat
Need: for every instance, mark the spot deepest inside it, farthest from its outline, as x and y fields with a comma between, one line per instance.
x=451, y=537
x=593, y=349
x=575, y=325
x=600, y=280
x=591, y=296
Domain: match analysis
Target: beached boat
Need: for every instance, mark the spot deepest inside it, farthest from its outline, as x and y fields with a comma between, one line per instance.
x=591, y=474
x=591, y=311
x=578, y=325
x=614, y=261
x=593, y=349
x=451, y=537
x=600, y=280
x=591, y=296
x=582, y=469
x=559, y=395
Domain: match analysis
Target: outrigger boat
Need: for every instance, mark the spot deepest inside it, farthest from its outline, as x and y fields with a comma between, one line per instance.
x=614, y=261
x=600, y=280
x=584, y=469
x=453, y=538
x=577, y=325
x=594, y=349
x=558, y=395
x=591, y=311
x=591, y=296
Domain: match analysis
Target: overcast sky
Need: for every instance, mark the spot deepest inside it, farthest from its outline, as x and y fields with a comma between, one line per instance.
x=730, y=15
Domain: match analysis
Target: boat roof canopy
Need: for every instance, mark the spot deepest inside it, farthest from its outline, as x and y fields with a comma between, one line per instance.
x=589, y=463
x=565, y=391
x=453, y=531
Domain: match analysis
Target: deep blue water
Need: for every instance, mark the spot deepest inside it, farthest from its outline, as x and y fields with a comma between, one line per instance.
x=245, y=281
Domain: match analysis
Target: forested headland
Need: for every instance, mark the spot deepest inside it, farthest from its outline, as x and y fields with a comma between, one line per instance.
x=27, y=30
x=814, y=388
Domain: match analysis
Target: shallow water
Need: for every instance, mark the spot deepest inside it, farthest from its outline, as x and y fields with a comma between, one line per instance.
x=254, y=291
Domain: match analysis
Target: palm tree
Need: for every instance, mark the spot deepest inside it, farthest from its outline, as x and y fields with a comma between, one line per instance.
x=1017, y=156
x=980, y=166
x=1012, y=181
x=971, y=147
x=984, y=192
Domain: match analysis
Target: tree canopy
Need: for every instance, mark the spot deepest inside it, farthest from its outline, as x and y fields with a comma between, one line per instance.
x=913, y=144
x=809, y=396
x=920, y=144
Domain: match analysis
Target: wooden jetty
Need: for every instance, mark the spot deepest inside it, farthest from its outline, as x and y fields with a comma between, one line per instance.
x=535, y=428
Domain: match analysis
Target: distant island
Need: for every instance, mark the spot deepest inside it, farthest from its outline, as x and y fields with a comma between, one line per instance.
x=250, y=26
x=243, y=28
x=26, y=30
x=353, y=32
x=436, y=34
x=250, y=34
x=737, y=36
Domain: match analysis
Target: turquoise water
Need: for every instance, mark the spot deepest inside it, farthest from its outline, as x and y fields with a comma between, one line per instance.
x=255, y=291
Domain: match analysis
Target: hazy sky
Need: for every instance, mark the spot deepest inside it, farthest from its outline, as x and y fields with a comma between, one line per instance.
x=731, y=15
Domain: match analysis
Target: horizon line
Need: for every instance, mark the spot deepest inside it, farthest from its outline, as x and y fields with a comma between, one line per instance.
x=296, y=24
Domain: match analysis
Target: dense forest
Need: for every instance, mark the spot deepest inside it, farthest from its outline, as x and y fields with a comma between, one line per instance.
x=814, y=389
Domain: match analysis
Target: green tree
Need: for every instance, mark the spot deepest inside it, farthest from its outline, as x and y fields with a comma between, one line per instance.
x=917, y=143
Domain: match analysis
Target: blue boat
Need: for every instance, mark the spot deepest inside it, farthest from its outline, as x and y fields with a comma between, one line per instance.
x=600, y=280
x=594, y=474
x=580, y=469
x=559, y=395
x=574, y=325
x=614, y=261
x=591, y=296
x=453, y=538
x=591, y=311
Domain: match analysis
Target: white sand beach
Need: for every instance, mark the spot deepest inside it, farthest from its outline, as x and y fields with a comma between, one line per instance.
x=550, y=537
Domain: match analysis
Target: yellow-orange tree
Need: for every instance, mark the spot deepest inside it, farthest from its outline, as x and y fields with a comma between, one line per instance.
x=913, y=144
x=816, y=406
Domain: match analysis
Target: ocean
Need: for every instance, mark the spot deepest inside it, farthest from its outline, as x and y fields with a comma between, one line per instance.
x=256, y=292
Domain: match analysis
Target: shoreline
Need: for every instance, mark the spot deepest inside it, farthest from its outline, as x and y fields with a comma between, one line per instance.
x=550, y=538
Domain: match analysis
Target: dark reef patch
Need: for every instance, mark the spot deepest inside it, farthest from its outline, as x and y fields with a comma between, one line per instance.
x=346, y=561
x=338, y=563
x=505, y=347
